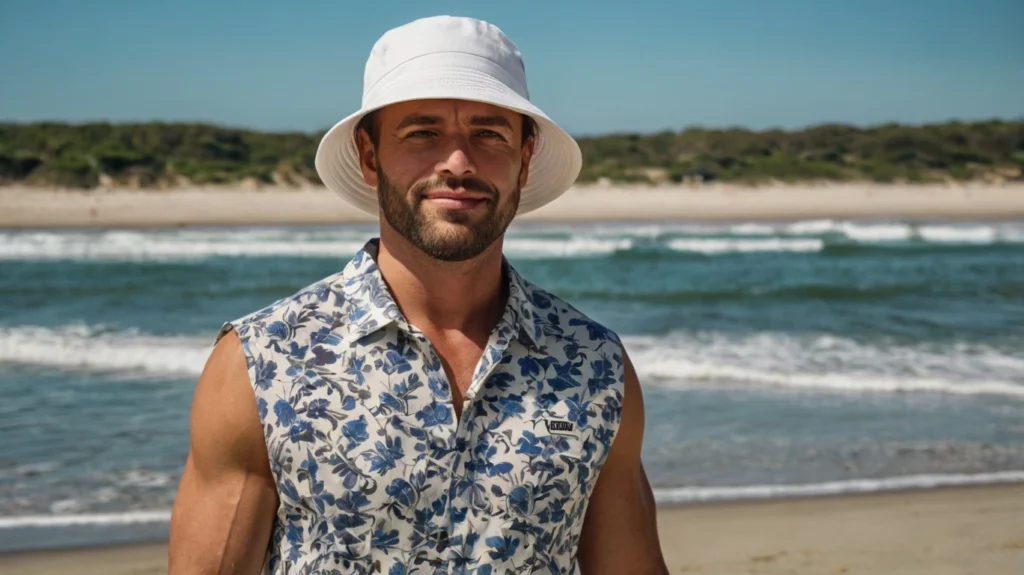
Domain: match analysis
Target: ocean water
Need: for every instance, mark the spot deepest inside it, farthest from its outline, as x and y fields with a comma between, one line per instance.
x=791, y=358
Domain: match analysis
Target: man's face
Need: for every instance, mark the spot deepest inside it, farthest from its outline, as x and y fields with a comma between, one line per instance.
x=447, y=173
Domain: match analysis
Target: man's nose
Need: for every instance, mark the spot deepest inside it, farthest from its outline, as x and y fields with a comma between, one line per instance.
x=457, y=162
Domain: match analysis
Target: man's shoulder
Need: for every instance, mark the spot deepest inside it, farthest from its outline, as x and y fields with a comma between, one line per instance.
x=319, y=297
x=561, y=318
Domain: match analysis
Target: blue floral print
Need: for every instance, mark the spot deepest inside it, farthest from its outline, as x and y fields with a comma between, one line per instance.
x=374, y=471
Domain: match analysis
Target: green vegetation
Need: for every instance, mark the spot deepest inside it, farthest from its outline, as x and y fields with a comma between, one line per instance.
x=888, y=153
x=167, y=155
x=151, y=155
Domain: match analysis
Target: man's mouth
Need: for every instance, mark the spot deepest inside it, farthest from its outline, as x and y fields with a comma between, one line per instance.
x=455, y=199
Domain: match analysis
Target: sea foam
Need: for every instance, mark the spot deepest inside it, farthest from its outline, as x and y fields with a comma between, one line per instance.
x=680, y=360
x=663, y=496
x=680, y=495
x=88, y=347
x=529, y=241
x=823, y=362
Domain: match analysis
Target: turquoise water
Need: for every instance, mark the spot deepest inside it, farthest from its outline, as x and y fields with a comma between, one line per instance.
x=776, y=359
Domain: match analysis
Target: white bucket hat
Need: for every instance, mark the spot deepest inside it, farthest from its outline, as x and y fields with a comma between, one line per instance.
x=448, y=57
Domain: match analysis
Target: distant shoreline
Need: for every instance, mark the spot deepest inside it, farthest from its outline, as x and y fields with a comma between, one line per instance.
x=151, y=154
x=32, y=208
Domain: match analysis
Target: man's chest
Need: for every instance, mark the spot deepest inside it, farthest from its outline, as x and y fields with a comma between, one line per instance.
x=365, y=439
x=390, y=405
x=459, y=361
x=383, y=422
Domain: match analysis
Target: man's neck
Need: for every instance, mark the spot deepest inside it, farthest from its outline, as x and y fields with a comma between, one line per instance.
x=437, y=297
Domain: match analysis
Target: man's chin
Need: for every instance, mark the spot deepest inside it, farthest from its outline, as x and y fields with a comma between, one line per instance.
x=451, y=251
x=450, y=234
x=462, y=218
x=451, y=242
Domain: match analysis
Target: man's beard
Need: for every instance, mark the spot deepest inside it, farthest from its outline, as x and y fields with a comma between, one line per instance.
x=460, y=239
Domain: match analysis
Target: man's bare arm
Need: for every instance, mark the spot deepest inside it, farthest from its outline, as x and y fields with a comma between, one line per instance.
x=224, y=510
x=620, y=532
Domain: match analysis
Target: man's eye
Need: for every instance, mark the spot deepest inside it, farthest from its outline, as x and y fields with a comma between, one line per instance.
x=490, y=134
x=420, y=134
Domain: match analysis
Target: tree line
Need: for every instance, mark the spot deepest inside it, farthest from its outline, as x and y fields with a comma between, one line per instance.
x=157, y=154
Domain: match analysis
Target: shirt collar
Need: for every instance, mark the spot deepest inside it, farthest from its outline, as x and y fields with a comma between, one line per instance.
x=371, y=307
x=521, y=296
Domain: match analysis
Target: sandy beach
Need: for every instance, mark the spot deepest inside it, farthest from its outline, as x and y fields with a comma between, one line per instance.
x=33, y=208
x=955, y=531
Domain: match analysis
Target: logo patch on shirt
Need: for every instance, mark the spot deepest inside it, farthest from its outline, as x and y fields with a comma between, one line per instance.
x=559, y=427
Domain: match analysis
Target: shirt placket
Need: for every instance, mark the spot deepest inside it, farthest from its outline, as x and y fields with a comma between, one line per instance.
x=461, y=429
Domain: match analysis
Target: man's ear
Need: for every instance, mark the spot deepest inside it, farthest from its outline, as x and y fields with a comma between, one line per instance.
x=368, y=160
x=524, y=170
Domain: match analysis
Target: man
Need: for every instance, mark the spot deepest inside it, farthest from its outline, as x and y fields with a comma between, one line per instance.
x=426, y=409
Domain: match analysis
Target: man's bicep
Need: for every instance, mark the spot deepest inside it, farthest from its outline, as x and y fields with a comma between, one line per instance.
x=224, y=509
x=620, y=533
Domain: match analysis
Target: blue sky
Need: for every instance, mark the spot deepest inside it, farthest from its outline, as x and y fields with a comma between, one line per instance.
x=595, y=67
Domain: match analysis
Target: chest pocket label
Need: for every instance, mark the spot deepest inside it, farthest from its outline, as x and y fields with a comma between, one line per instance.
x=557, y=427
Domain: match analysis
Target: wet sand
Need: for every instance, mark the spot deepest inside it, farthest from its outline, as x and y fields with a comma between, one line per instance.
x=950, y=531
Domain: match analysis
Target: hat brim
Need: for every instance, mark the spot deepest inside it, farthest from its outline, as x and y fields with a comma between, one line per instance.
x=554, y=166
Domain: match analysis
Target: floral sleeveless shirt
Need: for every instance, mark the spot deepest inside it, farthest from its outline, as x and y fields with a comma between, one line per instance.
x=376, y=474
